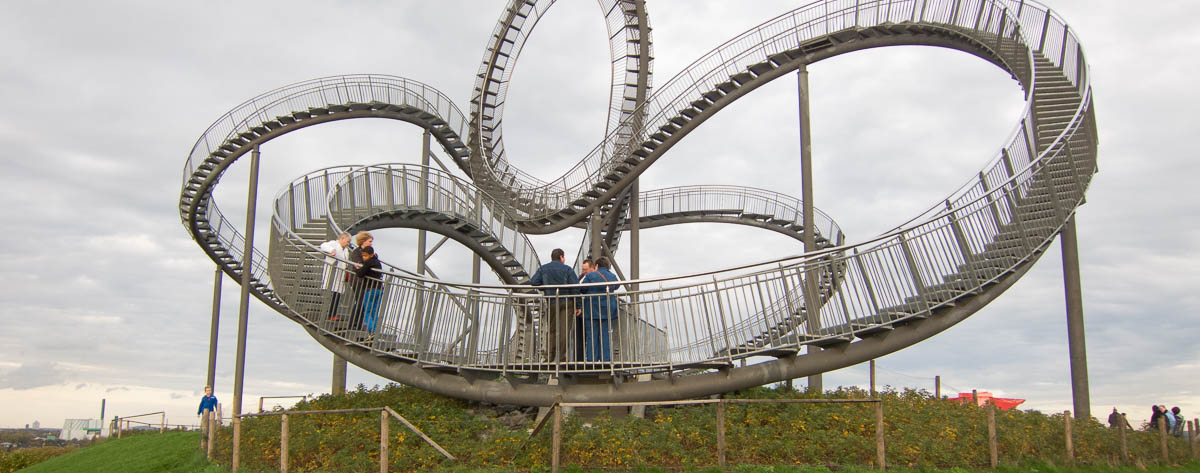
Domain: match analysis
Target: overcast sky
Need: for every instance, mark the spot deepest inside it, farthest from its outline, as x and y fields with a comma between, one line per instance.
x=104, y=295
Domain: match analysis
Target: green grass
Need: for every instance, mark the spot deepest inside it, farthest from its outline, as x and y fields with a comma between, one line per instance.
x=178, y=452
x=175, y=452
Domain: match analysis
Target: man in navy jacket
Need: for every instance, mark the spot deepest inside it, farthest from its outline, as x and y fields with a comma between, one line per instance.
x=559, y=303
x=599, y=310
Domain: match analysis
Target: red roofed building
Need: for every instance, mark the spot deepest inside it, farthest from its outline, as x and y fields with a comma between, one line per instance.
x=983, y=397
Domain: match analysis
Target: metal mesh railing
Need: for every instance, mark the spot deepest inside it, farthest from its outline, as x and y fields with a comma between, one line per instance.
x=985, y=231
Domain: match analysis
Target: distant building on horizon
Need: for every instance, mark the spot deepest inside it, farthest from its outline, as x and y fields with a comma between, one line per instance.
x=37, y=425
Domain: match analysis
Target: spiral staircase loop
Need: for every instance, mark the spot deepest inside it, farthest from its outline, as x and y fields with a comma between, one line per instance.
x=487, y=342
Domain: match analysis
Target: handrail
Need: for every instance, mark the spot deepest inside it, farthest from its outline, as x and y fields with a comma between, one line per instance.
x=729, y=63
x=987, y=229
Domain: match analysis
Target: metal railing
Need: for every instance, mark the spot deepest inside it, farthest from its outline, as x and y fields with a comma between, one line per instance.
x=784, y=33
x=985, y=231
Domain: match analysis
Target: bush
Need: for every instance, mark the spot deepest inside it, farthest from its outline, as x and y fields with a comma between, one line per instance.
x=26, y=457
x=920, y=432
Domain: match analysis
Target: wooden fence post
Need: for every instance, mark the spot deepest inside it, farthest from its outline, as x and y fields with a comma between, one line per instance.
x=721, y=432
x=284, y=433
x=1162, y=435
x=162, y=423
x=1069, y=437
x=204, y=432
x=556, y=438
x=937, y=386
x=880, y=451
x=1191, y=436
x=213, y=422
x=1124, y=442
x=117, y=421
x=383, y=441
x=993, y=446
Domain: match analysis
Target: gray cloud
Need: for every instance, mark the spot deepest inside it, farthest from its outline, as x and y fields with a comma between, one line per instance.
x=100, y=112
x=33, y=375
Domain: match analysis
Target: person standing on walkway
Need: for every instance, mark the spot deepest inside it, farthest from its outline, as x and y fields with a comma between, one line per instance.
x=208, y=404
x=371, y=276
x=333, y=278
x=361, y=240
x=558, y=306
x=599, y=310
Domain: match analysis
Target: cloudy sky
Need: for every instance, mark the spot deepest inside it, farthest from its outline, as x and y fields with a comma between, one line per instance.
x=104, y=296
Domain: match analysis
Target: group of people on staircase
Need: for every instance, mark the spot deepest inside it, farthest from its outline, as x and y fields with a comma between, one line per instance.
x=359, y=269
x=578, y=308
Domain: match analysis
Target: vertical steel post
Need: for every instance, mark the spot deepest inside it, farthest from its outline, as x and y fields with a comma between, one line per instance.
x=806, y=198
x=424, y=200
x=1075, y=331
x=643, y=83
x=594, y=235
x=212, y=333
x=244, y=306
x=872, y=364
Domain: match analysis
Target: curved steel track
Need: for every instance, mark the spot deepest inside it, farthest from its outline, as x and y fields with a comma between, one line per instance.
x=481, y=342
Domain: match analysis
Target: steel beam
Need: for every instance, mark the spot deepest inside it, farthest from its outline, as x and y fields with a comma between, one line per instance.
x=806, y=199
x=244, y=305
x=1075, y=331
x=213, y=332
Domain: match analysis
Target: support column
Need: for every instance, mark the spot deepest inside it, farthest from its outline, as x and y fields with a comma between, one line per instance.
x=339, y=376
x=244, y=306
x=1075, y=332
x=596, y=235
x=806, y=198
x=212, y=333
x=424, y=200
x=635, y=227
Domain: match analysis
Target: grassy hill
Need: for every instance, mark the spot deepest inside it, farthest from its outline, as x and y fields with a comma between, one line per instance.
x=173, y=452
x=923, y=434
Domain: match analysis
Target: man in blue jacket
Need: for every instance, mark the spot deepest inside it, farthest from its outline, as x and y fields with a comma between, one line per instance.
x=559, y=303
x=599, y=310
x=208, y=403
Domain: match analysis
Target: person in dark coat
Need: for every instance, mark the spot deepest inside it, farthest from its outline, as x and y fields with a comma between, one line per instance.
x=599, y=310
x=1155, y=414
x=370, y=274
x=558, y=306
x=361, y=240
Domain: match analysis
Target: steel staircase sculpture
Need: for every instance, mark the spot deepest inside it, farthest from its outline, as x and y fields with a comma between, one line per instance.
x=478, y=341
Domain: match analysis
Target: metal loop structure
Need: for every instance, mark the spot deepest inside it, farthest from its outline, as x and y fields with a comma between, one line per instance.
x=675, y=337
